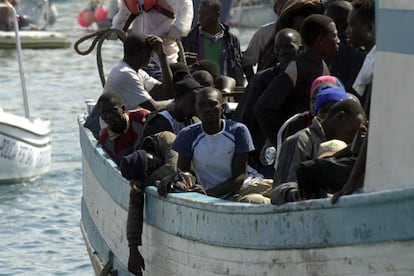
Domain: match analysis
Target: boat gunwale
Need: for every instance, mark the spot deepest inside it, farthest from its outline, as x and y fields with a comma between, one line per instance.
x=203, y=202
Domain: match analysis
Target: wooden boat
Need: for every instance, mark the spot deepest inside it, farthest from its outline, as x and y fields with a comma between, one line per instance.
x=25, y=144
x=370, y=233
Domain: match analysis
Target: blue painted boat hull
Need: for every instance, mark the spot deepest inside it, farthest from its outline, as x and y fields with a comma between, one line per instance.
x=188, y=233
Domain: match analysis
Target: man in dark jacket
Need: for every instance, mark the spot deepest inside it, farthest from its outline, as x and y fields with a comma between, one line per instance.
x=212, y=40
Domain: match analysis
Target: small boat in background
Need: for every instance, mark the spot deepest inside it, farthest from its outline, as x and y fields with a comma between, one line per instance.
x=34, y=39
x=33, y=18
x=251, y=14
x=25, y=143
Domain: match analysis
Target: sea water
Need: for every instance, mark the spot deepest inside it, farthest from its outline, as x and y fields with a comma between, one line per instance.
x=39, y=220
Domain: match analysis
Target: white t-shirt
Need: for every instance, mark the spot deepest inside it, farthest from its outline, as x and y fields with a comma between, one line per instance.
x=212, y=155
x=155, y=23
x=366, y=73
x=132, y=86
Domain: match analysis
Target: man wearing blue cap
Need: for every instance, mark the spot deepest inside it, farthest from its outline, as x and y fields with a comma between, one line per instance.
x=342, y=122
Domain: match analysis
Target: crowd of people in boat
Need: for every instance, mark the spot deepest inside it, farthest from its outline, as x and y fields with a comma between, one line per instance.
x=298, y=131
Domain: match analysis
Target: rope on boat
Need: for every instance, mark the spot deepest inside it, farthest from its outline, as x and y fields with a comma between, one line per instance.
x=98, y=38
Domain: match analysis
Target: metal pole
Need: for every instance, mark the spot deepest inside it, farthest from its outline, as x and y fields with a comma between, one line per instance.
x=20, y=59
x=46, y=4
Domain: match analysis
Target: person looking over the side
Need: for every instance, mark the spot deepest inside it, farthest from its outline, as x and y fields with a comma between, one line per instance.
x=123, y=128
x=213, y=40
x=134, y=85
x=288, y=93
x=287, y=45
x=216, y=150
x=143, y=167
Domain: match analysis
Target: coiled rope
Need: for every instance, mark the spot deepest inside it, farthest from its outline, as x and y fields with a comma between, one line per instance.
x=98, y=38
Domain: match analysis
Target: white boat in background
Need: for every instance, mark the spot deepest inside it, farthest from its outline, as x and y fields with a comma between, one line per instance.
x=25, y=144
x=251, y=14
x=34, y=39
x=37, y=14
x=370, y=233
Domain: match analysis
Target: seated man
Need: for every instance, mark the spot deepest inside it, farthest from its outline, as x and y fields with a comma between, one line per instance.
x=301, y=120
x=342, y=123
x=123, y=128
x=134, y=85
x=217, y=151
x=180, y=114
x=212, y=40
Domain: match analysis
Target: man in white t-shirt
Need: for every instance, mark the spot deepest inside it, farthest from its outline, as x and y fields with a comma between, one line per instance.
x=216, y=151
x=133, y=84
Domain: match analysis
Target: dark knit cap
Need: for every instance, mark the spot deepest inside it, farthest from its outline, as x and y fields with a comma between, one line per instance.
x=188, y=84
x=208, y=65
x=134, y=166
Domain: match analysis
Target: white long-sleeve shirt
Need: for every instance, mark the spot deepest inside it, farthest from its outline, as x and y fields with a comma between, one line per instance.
x=154, y=23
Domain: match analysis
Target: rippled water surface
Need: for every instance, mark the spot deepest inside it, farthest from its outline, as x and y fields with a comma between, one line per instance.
x=39, y=220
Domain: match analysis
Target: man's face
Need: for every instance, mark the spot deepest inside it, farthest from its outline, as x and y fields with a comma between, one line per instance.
x=113, y=115
x=144, y=56
x=207, y=16
x=286, y=48
x=331, y=41
x=209, y=107
x=349, y=127
x=357, y=30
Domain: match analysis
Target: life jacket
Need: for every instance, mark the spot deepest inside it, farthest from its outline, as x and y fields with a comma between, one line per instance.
x=138, y=6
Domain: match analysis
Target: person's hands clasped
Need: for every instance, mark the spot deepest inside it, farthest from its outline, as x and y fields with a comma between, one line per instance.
x=156, y=44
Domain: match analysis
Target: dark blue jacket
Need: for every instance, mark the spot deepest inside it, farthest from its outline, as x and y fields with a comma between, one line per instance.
x=231, y=49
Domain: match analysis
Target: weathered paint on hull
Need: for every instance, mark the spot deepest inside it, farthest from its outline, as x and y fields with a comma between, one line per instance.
x=191, y=234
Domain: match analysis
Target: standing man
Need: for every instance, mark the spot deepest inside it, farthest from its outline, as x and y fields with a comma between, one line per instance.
x=168, y=19
x=212, y=40
x=361, y=33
